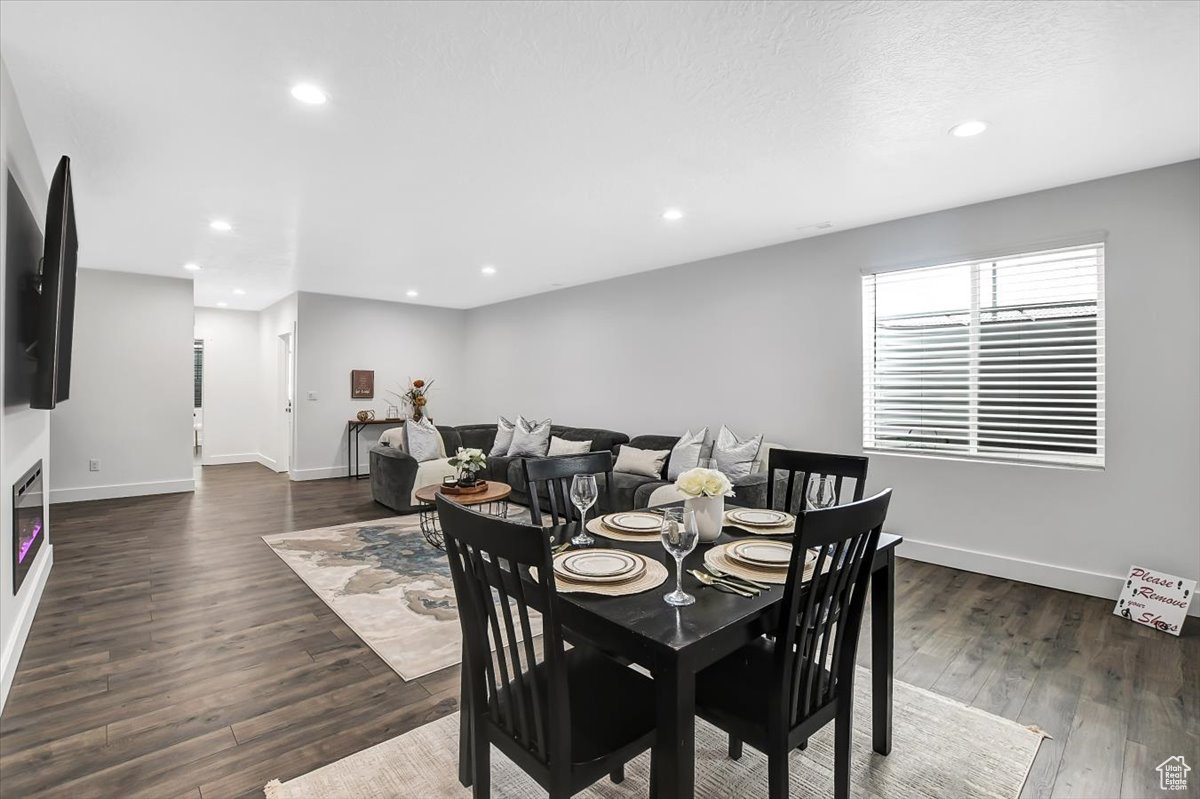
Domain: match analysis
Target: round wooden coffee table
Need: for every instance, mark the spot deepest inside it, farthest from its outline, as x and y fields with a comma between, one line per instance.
x=493, y=499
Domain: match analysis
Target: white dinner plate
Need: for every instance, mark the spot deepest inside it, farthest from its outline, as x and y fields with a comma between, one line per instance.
x=758, y=517
x=634, y=522
x=771, y=554
x=598, y=565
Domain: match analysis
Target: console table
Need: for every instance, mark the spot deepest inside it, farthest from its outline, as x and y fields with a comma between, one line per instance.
x=355, y=428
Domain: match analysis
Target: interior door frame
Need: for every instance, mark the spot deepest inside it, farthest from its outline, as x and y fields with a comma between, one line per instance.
x=286, y=400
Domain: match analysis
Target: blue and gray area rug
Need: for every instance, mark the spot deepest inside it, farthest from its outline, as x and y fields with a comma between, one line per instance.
x=387, y=583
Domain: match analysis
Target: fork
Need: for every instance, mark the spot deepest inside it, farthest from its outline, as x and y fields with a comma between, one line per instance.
x=722, y=585
x=736, y=578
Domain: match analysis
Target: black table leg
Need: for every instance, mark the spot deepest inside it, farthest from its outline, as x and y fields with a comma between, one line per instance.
x=675, y=755
x=883, y=622
x=349, y=463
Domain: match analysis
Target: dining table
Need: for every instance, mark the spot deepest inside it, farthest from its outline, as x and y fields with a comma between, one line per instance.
x=675, y=643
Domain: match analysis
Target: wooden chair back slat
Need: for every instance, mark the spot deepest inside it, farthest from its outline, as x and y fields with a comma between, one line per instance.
x=808, y=465
x=552, y=477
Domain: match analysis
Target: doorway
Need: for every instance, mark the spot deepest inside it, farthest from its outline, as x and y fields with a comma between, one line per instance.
x=197, y=400
x=286, y=401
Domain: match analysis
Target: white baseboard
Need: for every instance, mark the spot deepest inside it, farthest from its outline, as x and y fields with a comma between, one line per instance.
x=10, y=655
x=238, y=457
x=325, y=472
x=270, y=463
x=58, y=495
x=1105, y=586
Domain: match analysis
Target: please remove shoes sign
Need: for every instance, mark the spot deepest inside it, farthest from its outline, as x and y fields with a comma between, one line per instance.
x=1155, y=599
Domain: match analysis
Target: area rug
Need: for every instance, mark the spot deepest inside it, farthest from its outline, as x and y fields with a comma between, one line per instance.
x=387, y=584
x=940, y=749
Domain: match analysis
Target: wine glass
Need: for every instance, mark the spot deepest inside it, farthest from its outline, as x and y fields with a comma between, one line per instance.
x=679, y=537
x=706, y=463
x=583, y=495
x=821, y=492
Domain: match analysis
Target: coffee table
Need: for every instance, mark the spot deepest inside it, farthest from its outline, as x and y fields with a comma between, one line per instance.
x=493, y=500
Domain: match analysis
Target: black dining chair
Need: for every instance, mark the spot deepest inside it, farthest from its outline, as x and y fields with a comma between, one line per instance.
x=552, y=477
x=778, y=690
x=807, y=464
x=571, y=718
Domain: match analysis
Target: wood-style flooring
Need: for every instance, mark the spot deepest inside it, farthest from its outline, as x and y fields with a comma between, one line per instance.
x=174, y=655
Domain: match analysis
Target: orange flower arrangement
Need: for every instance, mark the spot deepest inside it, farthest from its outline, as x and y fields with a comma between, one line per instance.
x=414, y=397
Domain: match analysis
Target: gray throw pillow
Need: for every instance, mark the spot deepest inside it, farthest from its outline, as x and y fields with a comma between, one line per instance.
x=562, y=446
x=423, y=440
x=530, y=439
x=686, y=454
x=735, y=457
x=644, y=462
x=504, y=434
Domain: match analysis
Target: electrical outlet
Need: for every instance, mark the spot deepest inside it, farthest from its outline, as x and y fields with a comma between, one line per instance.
x=312, y=395
x=94, y=465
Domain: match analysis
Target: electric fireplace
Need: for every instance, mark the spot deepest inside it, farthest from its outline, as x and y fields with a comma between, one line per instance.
x=29, y=523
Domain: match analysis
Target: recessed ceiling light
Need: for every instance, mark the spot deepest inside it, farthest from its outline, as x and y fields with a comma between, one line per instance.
x=972, y=127
x=220, y=225
x=239, y=292
x=672, y=214
x=192, y=267
x=411, y=293
x=309, y=94
x=488, y=269
x=222, y=305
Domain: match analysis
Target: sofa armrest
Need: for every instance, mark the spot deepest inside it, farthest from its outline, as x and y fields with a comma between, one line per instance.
x=393, y=472
x=751, y=490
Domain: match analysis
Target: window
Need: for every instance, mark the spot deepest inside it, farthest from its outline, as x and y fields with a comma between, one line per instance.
x=197, y=372
x=997, y=359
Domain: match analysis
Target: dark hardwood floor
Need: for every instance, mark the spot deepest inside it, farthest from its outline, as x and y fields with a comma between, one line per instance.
x=174, y=655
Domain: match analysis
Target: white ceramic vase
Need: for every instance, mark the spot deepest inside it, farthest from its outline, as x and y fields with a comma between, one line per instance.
x=710, y=516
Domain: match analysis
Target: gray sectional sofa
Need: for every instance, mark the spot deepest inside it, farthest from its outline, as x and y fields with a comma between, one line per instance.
x=395, y=475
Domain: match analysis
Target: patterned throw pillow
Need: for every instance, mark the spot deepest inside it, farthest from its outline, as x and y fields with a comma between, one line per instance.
x=561, y=446
x=646, y=462
x=735, y=457
x=423, y=441
x=686, y=454
x=504, y=435
x=530, y=439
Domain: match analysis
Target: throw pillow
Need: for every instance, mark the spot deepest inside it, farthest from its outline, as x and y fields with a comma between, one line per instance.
x=561, y=446
x=530, y=439
x=735, y=457
x=646, y=462
x=686, y=454
x=393, y=437
x=423, y=441
x=504, y=434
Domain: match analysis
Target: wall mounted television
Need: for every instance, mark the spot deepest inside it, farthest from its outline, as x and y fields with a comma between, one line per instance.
x=46, y=291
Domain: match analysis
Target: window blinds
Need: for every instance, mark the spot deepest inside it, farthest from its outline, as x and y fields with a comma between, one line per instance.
x=996, y=359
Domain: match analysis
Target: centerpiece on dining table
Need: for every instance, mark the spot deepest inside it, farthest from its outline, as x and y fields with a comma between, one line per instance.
x=705, y=491
x=469, y=462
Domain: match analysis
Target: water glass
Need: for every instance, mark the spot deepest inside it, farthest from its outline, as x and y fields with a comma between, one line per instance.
x=679, y=537
x=821, y=493
x=583, y=495
x=706, y=463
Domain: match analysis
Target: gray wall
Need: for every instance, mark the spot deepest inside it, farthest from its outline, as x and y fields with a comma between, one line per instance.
x=131, y=390
x=770, y=341
x=397, y=340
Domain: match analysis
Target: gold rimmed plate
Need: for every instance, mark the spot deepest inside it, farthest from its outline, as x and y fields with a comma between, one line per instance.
x=634, y=522
x=599, y=566
x=759, y=517
x=763, y=554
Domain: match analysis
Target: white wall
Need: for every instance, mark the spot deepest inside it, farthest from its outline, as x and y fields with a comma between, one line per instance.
x=131, y=390
x=230, y=385
x=24, y=433
x=273, y=432
x=770, y=341
x=398, y=341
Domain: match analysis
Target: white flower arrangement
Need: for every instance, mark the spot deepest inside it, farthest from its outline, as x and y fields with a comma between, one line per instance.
x=469, y=460
x=704, y=483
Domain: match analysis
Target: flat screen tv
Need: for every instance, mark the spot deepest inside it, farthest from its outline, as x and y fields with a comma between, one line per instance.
x=55, y=296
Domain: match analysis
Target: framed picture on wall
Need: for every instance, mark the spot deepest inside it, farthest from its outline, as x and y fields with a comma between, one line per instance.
x=362, y=384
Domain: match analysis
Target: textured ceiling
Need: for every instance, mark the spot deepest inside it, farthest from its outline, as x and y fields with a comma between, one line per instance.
x=546, y=139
